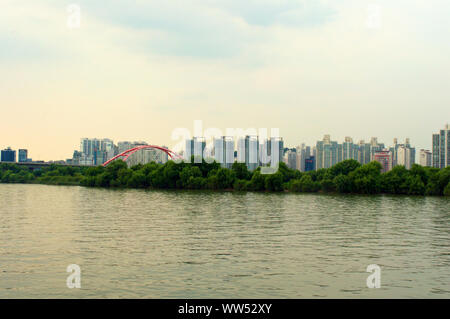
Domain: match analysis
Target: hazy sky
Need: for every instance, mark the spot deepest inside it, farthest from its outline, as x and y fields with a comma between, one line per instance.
x=136, y=70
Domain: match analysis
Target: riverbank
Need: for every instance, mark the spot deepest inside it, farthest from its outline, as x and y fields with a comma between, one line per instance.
x=347, y=177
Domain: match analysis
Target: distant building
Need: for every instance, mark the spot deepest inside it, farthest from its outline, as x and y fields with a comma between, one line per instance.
x=441, y=148
x=248, y=151
x=272, y=151
x=384, y=157
x=303, y=156
x=403, y=154
x=195, y=147
x=327, y=153
x=147, y=155
x=86, y=160
x=349, y=150
x=95, y=151
x=75, y=160
x=406, y=156
x=310, y=164
x=8, y=155
x=124, y=146
x=364, y=152
x=291, y=159
x=300, y=157
x=425, y=158
x=224, y=151
x=23, y=155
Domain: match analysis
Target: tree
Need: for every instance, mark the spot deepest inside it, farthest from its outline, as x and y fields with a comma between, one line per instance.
x=188, y=175
x=257, y=183
x=95, y=170
x=295, y=185
x=344, y=167
x=274, y=182
x=241, y=171
x=327, y=185
x=123, y=175
x=447, y=190
x=241, y=185
x=367, y=178
x=225, y=178
x=197, y=182
x=342, y=183
x=286, y=173
x=392, y=182
x=308, y=185
x=171, y=173
x=137, y=180
x=157, y=179
x=212, y=182
x=443, y=178
x=415, y=185
x=103, y=180
x=420, y=171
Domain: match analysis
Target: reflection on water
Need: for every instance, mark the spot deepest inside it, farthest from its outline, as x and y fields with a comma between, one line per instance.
x=181, y=244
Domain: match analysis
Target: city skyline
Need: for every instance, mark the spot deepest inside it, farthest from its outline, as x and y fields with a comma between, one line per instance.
x=324, y=154
x=127, y=144
x=139, y=72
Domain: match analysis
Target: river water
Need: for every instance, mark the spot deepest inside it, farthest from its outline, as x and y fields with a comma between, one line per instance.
x=187, y=244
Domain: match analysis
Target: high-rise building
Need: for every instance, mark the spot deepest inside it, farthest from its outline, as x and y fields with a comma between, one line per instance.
x=224, y=151
x=23, y=155
x=291, y=159
x=303, y=154
x=406, y=155
x=364, y=152
x=441, y=148
x=96, y=151
x=375, y=147
x=195, y=147
x=219, y=150
x=348, y=149
x=425, y=158
x=384, y=157
x=327, y=152
x=310, y=164
x=147, y=155
x=75, y=160
x=276, y=150
x=124, y=146
x=300, y=158
x=403, y=154
x=249, y=145
x=87, y=160
x=8, y=155
x=229, y=152
x=272, y=151
x=394, y=150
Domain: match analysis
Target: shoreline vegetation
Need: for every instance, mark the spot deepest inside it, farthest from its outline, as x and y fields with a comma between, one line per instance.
x=348, y=176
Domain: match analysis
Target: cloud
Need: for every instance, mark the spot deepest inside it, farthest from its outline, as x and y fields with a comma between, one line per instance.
x=293, y=13
x=206, y=29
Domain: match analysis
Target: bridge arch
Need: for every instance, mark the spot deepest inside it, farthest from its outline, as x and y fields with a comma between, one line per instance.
x=125, y=155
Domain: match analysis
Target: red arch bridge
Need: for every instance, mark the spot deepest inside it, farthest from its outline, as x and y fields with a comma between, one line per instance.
x=125, y=155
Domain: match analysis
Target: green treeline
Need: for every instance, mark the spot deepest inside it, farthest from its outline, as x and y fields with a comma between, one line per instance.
x=345, y=177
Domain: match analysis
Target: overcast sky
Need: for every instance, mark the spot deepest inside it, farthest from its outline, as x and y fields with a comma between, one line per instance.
x=138, y=71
